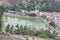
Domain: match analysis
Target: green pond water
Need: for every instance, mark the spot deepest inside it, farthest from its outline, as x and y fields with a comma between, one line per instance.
x=30, y=22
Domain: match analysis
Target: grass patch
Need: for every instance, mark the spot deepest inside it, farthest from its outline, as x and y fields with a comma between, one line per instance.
x=37, y=20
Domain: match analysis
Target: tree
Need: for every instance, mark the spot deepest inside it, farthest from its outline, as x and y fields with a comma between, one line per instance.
x=1, y=13
x=0, y=19
x=49, y=9
x=21, y=6
x=8, y=28
x=31, y=6
x=11, y=29
x=21, y=30
x=17, y=26
x=17, y=31
x=52, y=24
x=18, y=7
x=25, y=29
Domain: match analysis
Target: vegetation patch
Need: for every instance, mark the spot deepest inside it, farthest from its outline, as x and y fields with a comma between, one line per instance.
x=37, y=20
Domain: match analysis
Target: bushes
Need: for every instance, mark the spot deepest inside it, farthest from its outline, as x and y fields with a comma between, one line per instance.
x=1, y=33
x=43, y=35
x=49, y=34
x=57, y=38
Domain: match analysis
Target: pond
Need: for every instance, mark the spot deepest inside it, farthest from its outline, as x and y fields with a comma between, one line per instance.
x=30, y=22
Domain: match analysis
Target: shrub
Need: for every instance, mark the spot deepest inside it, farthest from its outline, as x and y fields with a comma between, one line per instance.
x=44, y=16
x=32, y=14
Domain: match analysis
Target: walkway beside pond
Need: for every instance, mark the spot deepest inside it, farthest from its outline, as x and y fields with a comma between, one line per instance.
x=21, y=37
x=16, y=15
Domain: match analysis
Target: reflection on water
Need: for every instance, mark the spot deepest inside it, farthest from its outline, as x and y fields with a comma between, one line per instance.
x=29, y=23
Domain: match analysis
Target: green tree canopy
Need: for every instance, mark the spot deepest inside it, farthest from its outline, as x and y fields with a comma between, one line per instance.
x=1, y=13
x=8, y=28
x=52, y=24
x=31, y=6
x=49, y=9
x=11, y=29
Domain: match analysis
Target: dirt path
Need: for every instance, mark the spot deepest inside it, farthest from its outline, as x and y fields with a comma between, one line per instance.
x=17, y=37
